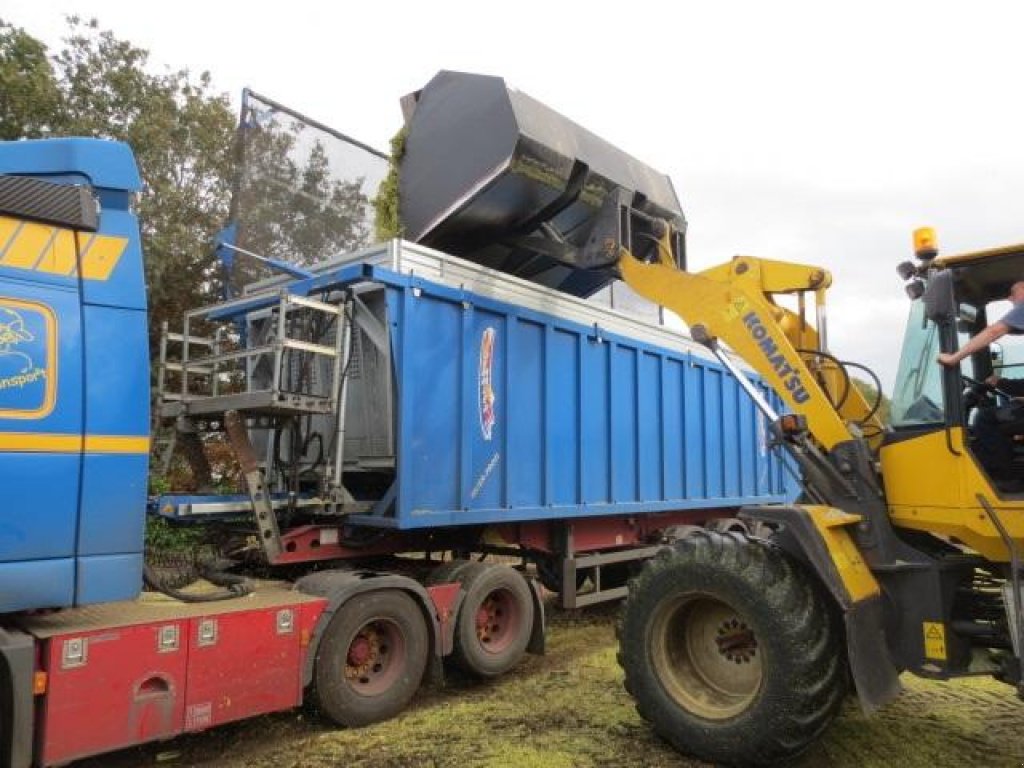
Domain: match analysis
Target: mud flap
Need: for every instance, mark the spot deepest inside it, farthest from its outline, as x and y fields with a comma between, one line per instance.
x=874, y=674
x=536, y=644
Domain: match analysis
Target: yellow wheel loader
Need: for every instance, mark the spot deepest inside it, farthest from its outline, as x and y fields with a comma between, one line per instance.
x=903, y=551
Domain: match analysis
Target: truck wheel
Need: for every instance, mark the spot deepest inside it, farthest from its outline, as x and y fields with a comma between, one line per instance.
x=371, y=658
x=495, y=619
x=731, y=652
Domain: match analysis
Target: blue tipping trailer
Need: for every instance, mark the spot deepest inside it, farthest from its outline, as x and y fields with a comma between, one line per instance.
x=475, y=398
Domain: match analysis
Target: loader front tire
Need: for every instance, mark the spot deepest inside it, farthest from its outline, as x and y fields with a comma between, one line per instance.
x=731, y=651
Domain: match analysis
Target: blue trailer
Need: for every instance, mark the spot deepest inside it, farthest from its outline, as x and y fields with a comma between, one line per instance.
x=471, y=401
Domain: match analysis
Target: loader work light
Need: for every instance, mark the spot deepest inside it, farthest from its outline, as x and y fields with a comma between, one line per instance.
x=926, y=245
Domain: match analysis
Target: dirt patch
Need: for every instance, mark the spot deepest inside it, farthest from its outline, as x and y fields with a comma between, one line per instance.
x=568, y=708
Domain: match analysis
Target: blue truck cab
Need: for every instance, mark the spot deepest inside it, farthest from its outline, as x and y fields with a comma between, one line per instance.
x=74, y=375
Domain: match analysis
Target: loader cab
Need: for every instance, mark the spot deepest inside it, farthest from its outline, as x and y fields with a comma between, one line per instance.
x=954, y=298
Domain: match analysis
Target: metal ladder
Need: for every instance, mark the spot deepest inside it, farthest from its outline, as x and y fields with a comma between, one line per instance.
x=251, y=376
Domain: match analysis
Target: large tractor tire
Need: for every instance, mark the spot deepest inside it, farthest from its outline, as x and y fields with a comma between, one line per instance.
x=495, y=619
x=731, y=651
x=371, y=658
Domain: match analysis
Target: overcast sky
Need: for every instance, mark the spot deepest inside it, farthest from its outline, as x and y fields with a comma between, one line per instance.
x=817, y=132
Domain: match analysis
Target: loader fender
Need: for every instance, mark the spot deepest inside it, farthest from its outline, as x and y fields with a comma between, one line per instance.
x=820, y=537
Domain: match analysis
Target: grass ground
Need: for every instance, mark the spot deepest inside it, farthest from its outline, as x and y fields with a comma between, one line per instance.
x=567, y=709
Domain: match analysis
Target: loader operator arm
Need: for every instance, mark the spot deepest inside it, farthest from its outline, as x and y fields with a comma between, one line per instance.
x=734, y=302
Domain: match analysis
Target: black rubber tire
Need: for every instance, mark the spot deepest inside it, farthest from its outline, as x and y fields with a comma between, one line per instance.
x=340, y=699
x=478, y=656
x=788, y=621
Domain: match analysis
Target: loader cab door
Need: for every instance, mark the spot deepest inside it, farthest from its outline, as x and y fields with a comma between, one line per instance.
x=934, y=455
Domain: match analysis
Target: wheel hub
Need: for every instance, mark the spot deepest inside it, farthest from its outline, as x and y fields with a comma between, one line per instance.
x=707, y=656
x=736, y=641
x=373, y=660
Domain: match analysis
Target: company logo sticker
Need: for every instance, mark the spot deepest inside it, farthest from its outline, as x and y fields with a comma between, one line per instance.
x=486, y=384
x=28, y=359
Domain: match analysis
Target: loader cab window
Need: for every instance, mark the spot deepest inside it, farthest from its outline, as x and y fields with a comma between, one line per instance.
x=1008, y=352
x=917, y=395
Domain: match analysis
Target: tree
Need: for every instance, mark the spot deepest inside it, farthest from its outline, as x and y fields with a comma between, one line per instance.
x=29, y=95
x=180, y=131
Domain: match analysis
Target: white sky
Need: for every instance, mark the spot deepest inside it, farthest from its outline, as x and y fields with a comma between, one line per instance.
x=819, y=132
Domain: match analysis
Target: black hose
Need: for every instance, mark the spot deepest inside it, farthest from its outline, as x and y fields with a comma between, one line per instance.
x=236, y=586
x=839, y=365
x=878, y=388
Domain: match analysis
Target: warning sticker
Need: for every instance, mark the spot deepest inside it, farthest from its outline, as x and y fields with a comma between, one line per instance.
x=934, y=640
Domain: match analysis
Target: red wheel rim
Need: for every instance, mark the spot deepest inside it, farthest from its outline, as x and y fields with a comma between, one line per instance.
x=375, y=658
x=498, y=620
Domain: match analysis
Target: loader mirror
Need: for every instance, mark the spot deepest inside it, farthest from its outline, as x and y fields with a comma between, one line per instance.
x=939, y=305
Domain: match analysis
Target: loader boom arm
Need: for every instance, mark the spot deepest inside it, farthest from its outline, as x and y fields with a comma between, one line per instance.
x=734, y=302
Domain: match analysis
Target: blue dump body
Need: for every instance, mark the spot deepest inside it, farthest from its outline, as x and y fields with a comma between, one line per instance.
x=74, y=386
x=513, y=415
x=510, y=414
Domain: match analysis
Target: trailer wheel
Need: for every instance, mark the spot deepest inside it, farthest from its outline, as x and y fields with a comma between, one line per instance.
x=731, y=652
x=371, y=658
x=495, y=619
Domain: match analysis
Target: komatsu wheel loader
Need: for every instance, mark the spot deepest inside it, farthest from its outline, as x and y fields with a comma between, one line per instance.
x=903, y=552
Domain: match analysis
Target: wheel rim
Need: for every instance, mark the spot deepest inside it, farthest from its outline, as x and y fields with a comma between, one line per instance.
x=375, y=658
x=707, y=657
x=498, y=621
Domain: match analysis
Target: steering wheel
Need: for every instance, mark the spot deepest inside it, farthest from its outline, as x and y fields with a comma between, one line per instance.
x=981, y=394
x=983, y=388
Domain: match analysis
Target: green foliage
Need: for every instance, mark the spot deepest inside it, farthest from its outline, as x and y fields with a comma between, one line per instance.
x=388, y=223
x=180, y=131
x=29, y=95
x=162, y=536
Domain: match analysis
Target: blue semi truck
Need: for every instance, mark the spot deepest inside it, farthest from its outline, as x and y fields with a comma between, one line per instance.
x=396, y=414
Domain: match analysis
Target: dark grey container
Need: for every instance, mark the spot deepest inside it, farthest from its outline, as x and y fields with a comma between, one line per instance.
x=494, y=176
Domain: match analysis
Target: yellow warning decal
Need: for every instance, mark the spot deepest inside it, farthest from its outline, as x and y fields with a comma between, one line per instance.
x=935, y=640
x=42, y=248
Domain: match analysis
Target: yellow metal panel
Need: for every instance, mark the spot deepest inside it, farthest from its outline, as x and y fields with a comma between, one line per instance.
x=929, y=488
x=101, y=255
x=833, y=526
x=59, y=257
x=28, y=245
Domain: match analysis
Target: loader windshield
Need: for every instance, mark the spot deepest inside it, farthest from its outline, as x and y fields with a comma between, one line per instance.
x=917, y=396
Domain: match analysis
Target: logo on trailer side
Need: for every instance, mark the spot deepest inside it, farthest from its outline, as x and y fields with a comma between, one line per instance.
x=486, y=383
